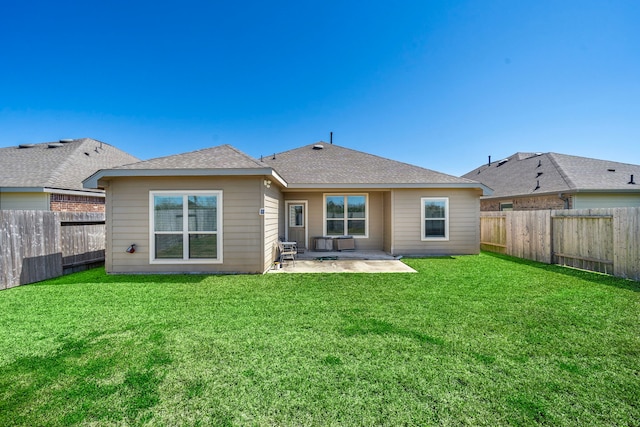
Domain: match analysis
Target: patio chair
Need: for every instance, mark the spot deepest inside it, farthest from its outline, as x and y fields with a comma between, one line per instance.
x=288, y=251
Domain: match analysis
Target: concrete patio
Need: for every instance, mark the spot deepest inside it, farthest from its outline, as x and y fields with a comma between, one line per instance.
x=344, y=262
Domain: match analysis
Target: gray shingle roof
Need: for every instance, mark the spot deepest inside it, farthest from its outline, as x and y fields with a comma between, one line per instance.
x=57, y=165
x=554, y=173
x=338, y=165
x=220, y=157
x=304, y=167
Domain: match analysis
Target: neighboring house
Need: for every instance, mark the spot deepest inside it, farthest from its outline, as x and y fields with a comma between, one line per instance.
x=220, y=210
x=49, y=176
x=528, y=181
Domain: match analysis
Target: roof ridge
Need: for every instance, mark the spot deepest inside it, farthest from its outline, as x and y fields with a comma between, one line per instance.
x=254, y=160
x=561, y=171
x=178, y=154
x=58, y=170
x=376, y=156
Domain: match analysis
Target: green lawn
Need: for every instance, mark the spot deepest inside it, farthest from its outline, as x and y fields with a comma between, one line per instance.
x=472, y=340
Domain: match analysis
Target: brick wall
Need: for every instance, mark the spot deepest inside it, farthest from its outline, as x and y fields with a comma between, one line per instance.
x=72, y=203
x=527, y=203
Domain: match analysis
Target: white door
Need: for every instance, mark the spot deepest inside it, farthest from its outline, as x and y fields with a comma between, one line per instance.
x=296, y=229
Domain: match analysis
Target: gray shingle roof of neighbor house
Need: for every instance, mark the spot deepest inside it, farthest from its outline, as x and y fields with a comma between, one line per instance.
x=545, y=173
x=61, y=164
x=304, y=167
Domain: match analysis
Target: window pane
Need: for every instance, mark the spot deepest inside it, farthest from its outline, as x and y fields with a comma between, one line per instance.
x=169, y=246
x=203, y=246
x=167, y=211
x=356, y=206
x=356, y=227
x=335, y=207
x=434, y=209
x=296, y=218
x=335, y=227
x=203, y=213
x=434, y=228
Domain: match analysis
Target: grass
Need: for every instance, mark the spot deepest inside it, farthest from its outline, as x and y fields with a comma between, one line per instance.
x=473, y=340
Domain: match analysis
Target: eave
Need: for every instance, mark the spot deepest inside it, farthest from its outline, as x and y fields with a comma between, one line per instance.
x=95, y=193
x=93, y=180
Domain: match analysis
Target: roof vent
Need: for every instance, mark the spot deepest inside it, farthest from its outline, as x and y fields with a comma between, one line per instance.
x=631, y=181
x=55, y=145
x=26, y=145
x=539, y=173
x=537, y=185
x=66, y=141
x=318, y=147
x=611, y=170
x=539, y=163
x=502, y=162
x=538, y=154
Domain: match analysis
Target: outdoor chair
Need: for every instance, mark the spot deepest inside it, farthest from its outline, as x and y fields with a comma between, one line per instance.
x=288, y=251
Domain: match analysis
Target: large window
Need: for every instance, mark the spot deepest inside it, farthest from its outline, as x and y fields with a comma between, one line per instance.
x=435, y=218
x=346, y=215
x=186, y=227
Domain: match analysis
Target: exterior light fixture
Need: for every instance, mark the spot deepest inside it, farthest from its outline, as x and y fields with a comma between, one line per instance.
x=267, y=183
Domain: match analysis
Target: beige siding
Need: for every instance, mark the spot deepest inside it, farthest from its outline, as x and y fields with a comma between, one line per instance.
x=128, y=222
x=588, y=201
x=388, y=228
x=464, y=223
x=24, y=201
x=272, y=199
x=316, y=211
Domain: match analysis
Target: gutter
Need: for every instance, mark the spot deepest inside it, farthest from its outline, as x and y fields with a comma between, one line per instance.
x=485, y=190
x=51, y=190
x=92, y=181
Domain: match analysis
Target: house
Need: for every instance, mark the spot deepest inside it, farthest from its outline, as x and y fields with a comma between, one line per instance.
x=528, y=181
x=49, y=176
x=220, y=210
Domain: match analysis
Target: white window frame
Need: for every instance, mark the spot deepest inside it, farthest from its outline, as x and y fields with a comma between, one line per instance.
x=185, y=229
x=345, y=219
x=423, y=219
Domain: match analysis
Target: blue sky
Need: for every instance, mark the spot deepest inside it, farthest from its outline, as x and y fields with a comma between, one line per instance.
x=440, y=84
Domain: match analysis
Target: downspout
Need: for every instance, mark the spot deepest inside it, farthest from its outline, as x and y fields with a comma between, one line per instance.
x=565, y=199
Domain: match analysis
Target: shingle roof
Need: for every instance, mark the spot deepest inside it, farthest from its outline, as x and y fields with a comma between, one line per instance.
x=304, y=167
x=220, y=157
x=333, y=164
x=61, y=165
x=554, y=173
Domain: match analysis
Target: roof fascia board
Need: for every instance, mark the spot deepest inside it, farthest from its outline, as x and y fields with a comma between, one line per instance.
x=278, y=178
x=92, y=181
x=485, y=189
x=616, y=190
x=95, y=193
x=22, y=189
x=564, y=192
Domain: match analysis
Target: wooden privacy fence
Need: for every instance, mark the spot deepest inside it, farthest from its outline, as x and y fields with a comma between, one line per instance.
x=39, y=245
x=602, y=240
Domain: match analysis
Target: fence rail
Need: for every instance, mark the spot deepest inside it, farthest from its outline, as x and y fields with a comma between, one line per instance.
x=602, y=240
x=39, y=245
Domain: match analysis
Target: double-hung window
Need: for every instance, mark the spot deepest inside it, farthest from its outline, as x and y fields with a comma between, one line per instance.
x=435, y=218
x=186, y=227
x=346, y=215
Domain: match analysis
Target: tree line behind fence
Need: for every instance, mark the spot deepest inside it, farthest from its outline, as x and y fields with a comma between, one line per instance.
x=601, y=240
x=39, y=245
